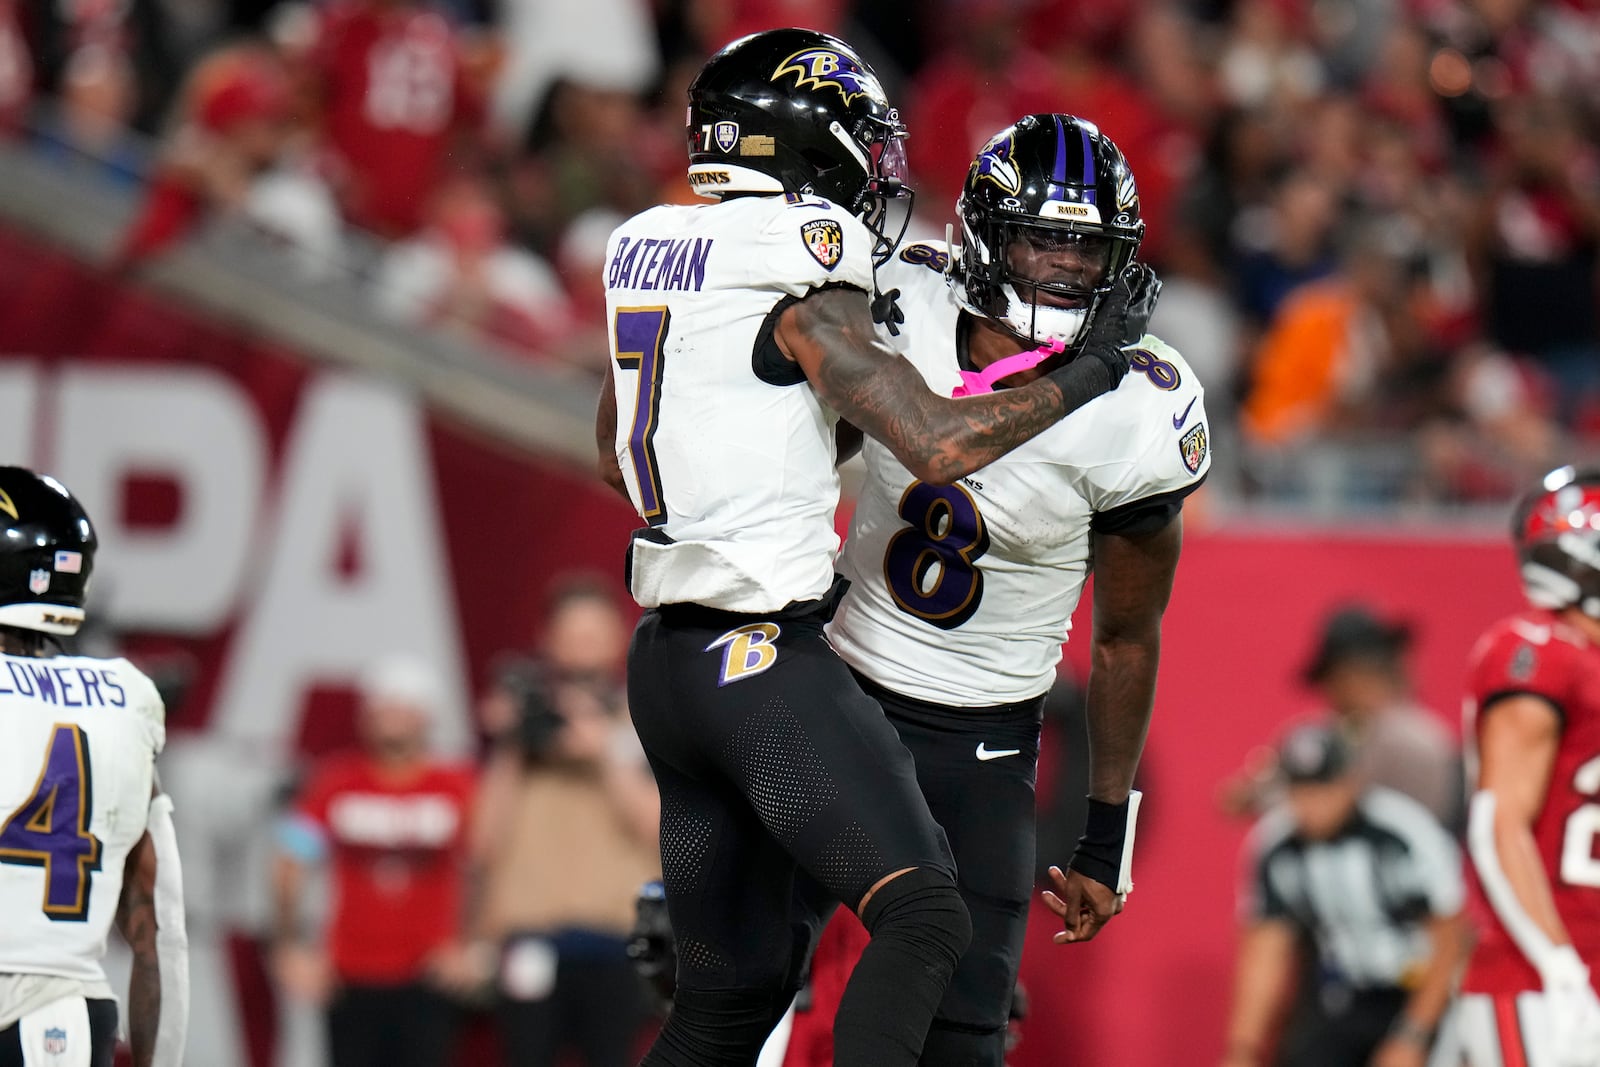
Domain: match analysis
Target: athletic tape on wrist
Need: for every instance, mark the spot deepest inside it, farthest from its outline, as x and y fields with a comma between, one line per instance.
x=1105, y=851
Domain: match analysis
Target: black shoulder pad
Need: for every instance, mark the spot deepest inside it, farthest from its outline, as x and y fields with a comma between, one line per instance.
x=767, y=359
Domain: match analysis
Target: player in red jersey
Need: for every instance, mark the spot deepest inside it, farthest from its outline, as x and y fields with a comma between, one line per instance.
x=394, y=96
x=1533, y=750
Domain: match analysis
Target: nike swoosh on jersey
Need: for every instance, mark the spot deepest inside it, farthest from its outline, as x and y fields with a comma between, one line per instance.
x=995, y=753
x=1179, y=420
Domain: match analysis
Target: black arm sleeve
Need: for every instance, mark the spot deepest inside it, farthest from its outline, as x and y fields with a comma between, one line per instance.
x=1137, y=518
x=767, y=360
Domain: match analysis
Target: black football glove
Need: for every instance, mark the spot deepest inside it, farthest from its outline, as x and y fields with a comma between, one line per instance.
x=1144, y=290
x=886, y=311
x=1101, y=363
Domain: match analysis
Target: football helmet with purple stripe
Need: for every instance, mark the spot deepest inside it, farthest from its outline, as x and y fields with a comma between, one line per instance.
x=1050, y=223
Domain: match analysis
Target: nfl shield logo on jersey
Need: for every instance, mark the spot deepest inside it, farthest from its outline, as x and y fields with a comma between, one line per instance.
x=55, y=1040
x=726, y=134
x=39, y=582
x=824, y=239
x=1192, y=445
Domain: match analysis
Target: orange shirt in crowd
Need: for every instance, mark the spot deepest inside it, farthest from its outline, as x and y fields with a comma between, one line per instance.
x=1300, y=364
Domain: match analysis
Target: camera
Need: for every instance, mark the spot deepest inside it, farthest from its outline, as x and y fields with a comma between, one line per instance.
x=538, y=721
x=651, y=946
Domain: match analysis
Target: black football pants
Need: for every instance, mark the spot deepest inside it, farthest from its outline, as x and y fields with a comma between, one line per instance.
x=770, y=761
x=977, y=769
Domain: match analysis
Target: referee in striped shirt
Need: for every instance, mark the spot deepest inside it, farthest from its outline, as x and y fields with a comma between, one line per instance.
x=1367, y=881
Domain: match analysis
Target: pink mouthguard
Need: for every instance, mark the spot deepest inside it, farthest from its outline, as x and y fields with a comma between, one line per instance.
x=974, y=382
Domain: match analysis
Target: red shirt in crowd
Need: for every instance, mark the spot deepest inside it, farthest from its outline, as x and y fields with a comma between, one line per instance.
x=397, y=849
x=233, y=115
x=394, y=95
x=1535, y=653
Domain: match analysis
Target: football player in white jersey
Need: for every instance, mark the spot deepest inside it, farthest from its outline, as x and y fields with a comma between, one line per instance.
x=961, y=595
x=741, y=331
x=86, y=836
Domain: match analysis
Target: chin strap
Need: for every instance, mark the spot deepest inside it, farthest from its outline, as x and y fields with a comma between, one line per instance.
x=974, y=382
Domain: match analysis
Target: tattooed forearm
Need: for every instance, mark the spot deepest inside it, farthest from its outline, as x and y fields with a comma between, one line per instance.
x=831, y=335
x=136, y=919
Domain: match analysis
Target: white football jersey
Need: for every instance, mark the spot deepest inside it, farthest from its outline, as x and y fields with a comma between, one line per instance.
x=76, y=767
x=733, y=473
x=962, y=595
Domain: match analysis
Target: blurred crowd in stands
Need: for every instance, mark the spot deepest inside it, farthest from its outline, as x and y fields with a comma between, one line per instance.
x=1378, y=220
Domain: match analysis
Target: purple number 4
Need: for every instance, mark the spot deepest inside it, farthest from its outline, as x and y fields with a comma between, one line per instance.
x=51, y=828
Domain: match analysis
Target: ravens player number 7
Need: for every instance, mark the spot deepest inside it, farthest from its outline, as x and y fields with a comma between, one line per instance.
x=742, y=329
x=86, y=837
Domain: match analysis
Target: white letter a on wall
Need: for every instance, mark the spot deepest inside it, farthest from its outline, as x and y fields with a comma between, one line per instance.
x=357, y=484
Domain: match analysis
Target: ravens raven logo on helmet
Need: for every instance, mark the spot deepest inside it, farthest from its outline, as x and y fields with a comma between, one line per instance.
x=825, y=68
x=994, y=164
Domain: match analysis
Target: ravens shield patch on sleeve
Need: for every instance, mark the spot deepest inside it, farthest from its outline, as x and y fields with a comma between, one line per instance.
x=1193, y=447
x=824, y=239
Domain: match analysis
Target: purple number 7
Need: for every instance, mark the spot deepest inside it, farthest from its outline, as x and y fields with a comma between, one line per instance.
x=51, y=828
x=641, y=338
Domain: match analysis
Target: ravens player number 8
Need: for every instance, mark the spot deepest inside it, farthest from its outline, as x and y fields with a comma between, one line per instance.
x=86, y=837
x=961, y=596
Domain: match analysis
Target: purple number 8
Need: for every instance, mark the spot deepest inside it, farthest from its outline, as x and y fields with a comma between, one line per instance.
x=1162, y=375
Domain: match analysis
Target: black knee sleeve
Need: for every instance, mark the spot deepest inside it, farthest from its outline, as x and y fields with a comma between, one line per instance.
x=924, y=907
x=953, y=1045
x=920, y=928
x=716, y=1028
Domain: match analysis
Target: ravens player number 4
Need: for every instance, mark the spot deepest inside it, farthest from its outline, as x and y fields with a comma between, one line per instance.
x=742, y=330
x=86, y=837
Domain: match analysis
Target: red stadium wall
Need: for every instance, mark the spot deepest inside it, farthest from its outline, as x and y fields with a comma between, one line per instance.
x=332, y=468
x=1153, y=989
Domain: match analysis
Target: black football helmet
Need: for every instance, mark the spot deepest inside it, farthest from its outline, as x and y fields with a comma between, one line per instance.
x=1049, y=182
x=797, y=111
x=47, y=551
x=1556, y=530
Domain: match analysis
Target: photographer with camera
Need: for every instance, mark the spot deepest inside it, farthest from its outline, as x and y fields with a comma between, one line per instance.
x=567, y=824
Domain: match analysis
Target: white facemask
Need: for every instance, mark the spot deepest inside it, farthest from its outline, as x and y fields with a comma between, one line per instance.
x=1043, y=323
